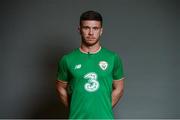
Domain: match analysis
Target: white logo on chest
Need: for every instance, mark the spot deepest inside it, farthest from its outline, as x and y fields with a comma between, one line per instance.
x=92, y=84
x=103, y=65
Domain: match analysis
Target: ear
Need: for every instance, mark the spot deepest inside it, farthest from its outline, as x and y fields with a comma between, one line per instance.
x=79, y=29
x=101, y=31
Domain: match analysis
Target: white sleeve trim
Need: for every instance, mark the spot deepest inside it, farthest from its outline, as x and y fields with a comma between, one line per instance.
x=120, y=79
x=62, y=81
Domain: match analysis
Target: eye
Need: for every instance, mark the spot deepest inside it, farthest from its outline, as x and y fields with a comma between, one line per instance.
x=96, y=28
x=85, y=28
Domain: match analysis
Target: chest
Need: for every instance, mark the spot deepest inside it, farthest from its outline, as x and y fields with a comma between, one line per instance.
x=101, y=66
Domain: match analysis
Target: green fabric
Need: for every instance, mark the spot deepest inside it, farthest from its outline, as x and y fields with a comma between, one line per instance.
x=90, y=78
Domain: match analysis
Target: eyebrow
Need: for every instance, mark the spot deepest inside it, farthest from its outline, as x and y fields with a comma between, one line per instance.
x=90, y=27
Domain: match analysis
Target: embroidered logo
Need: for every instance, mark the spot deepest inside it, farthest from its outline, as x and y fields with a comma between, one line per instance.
x=77, y=66
x=103, y=65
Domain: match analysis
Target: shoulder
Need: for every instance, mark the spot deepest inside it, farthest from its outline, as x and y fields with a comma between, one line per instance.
x=112, y=54
x=69, y=55
x=109, y=52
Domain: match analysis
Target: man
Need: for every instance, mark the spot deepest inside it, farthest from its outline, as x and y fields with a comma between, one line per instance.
x=90, y=78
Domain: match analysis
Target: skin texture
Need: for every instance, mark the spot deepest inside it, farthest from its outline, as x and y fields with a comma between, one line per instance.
x=90, y=31
x=62, y=92
x=118, y=86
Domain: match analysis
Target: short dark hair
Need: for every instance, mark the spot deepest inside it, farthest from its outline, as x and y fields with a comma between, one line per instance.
x=91, y=15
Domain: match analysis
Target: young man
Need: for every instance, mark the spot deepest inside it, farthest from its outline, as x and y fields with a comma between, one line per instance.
x=90, y=78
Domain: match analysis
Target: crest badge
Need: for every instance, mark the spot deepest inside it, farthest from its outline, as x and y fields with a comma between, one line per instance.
x=103, y=65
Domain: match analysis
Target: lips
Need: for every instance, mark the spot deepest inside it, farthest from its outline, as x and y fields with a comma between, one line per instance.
x=91, y=38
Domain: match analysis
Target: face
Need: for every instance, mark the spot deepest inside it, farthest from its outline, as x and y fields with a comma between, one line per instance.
x=90, y=31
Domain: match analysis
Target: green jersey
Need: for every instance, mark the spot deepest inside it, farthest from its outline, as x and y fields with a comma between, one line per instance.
x=90, y=77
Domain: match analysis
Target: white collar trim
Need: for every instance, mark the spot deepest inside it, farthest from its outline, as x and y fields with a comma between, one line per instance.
x=90, y=52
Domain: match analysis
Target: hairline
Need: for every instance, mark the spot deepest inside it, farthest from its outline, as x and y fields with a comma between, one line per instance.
x=91, y=20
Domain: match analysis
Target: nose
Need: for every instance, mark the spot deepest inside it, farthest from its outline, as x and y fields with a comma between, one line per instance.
x=90, y=31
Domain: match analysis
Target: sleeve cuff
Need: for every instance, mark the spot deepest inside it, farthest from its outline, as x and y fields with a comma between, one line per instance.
x=120, y=79
x=62, y=81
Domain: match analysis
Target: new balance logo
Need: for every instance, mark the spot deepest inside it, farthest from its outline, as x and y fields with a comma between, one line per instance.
x=77, y=66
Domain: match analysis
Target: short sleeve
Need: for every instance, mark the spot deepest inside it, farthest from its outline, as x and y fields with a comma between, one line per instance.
x=118, y=73
x=62, y=73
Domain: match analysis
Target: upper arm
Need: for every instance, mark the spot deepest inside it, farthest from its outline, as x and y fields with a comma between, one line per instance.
x=118, y=73
x=63, y=73
x=61, y=85
x=118, y=84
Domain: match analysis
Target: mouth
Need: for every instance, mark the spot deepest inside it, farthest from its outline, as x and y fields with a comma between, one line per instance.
x=90, y=38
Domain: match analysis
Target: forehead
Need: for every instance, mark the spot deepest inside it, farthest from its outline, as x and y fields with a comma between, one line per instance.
x=91, y=23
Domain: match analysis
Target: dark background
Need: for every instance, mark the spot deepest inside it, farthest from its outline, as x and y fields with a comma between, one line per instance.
x=34, y=34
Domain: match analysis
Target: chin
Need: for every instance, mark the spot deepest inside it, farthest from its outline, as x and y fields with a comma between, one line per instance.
x=90, y=43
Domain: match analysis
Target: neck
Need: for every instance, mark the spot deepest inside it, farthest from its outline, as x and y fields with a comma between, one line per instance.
x=90, y=49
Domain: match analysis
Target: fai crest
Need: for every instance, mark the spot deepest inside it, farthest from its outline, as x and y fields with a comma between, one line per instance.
x=103, y=65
